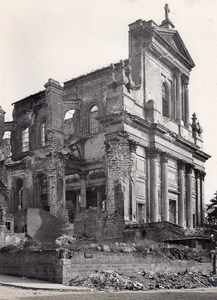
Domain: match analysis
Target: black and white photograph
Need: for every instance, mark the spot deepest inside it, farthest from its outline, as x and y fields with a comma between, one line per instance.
x=108, y=150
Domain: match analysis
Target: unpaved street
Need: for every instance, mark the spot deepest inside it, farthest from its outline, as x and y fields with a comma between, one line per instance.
x=28, y=294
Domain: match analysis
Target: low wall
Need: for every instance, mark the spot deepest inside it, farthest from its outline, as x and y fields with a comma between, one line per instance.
x=45, y=265
x=127, y=263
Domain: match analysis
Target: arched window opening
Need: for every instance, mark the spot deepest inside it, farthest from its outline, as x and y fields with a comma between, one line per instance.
x=71, y=122
x=93, y=122
x=69, y=114
x=42, y=132
x=25, y=139
x=165, y=101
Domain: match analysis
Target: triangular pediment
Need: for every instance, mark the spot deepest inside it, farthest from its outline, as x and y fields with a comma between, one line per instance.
x=173, y=38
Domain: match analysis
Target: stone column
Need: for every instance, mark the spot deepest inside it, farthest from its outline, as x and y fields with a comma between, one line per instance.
x=178, y=95
x=189, y=218
x=181, y=196
x=186, y=99
x=202, y=198
x=148, y=213
x=198, y=200
x=83, y=203
x=153, y=153
x=164, y=182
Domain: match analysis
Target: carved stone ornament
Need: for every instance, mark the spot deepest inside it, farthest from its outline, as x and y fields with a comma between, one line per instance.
x=189, y=168
x=132, y=145
x=181, y=164
x=164, y=157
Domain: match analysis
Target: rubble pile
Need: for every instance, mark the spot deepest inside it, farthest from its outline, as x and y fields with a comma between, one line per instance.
x=110, y=279
x=105, y=280
x=180, y=280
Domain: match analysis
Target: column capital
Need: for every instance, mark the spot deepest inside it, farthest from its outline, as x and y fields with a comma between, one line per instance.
x=189, y=168
x=177, y=72
x=197, y=173
x=181, y=164
x=186, y=81
x=153, y=152
x=202, y=175
x=164, y=157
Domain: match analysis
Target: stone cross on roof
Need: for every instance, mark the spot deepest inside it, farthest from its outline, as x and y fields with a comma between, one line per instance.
x=167, y=11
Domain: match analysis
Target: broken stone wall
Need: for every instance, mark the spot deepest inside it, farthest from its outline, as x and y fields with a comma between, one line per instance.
x=121, y=177
x=95, y=223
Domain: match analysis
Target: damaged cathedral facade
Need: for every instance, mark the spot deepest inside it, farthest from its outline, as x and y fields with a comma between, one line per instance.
x=119, y=138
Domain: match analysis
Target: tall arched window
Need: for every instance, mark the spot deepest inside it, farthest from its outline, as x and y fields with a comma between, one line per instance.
x=93, y=122
x=25, y=139
x=42, y=133
x=165, y=100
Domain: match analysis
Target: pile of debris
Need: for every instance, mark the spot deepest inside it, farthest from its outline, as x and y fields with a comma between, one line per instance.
x=180, y=280
x=109, y=279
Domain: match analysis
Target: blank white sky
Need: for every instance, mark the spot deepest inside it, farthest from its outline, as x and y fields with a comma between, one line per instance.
x=62, y=39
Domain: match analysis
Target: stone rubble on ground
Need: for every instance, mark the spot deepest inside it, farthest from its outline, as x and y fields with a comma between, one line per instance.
x=110, y=279
x=105, y=280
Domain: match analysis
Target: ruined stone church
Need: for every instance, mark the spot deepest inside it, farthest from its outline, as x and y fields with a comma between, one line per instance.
x=119, y=138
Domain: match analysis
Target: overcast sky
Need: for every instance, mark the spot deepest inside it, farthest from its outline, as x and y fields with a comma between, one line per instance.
x=62, y=39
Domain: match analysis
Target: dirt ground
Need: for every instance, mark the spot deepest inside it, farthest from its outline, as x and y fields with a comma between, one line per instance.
x=7, y=292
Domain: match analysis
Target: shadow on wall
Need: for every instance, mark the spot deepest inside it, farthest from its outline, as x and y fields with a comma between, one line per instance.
x=42, y=226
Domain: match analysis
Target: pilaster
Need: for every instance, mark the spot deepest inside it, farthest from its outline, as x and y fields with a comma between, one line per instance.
x=132, y=182
x=164, y=180
x=181, y=196
x=186, y=99
x=178, y=94
x=189, y=212
x=198, y=199
x=202, y=197
x=154, y=213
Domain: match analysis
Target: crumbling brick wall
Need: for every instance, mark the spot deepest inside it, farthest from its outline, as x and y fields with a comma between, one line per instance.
x=121, y=175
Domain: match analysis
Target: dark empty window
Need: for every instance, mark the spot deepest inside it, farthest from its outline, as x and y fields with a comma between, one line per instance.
x=165, y=100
